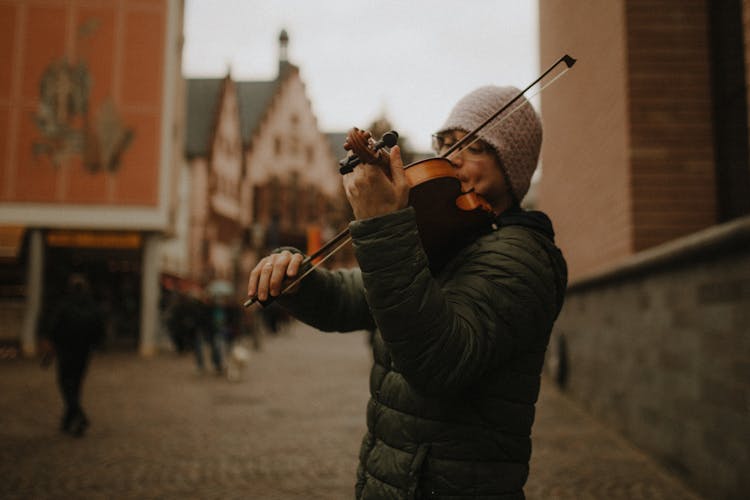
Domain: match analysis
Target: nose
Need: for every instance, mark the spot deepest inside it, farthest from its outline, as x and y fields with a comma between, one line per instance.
x=457, y=159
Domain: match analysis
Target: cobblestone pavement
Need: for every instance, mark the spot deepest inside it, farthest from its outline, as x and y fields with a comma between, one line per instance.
x=289, y=429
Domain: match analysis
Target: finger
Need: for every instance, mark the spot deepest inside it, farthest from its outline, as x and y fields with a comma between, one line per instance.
x=397, y=165
x=252, y=280
x=294, y=265
x=350, y=187
x=278, y=272
x=292, y=270
x=264, y=278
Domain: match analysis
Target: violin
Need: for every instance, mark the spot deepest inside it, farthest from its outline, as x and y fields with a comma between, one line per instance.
x=447, y=218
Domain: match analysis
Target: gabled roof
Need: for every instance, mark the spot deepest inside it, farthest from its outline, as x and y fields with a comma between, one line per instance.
x=202, y=95
x=253, y=101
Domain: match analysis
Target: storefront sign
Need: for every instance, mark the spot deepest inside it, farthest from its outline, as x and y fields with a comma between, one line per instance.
x=94, y=239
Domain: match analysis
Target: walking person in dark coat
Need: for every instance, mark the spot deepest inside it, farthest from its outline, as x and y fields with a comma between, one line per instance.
x=77, y=326
x=458, y=348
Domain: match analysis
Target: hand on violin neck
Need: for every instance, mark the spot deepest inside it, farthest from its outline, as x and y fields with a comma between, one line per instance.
x=373, y=190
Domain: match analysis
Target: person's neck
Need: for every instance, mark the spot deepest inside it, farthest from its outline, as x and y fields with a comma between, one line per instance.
x=502, y=205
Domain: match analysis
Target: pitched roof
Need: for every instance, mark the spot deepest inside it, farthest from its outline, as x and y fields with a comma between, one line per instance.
x=202, y=96
x=253, y=101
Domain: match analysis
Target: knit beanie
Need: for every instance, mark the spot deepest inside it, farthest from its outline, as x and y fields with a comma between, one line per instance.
x=516, y=140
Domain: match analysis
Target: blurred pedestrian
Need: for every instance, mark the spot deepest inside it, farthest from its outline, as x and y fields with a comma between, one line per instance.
x=209, y=331
x=76, y=328
x=169, y=307
x=181, y=319
x=272, y=316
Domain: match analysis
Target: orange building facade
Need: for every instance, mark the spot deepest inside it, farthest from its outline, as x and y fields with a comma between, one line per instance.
x=89, y=113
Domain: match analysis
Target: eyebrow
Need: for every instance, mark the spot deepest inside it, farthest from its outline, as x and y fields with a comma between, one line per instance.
x=451, y=137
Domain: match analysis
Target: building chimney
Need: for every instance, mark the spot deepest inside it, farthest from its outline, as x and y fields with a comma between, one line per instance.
x=283, y=57
x=283, y=43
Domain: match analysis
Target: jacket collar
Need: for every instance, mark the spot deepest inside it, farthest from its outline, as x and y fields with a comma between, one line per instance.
x=532, y=219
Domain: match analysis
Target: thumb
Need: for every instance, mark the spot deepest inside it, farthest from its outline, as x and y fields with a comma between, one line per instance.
x=397, y=165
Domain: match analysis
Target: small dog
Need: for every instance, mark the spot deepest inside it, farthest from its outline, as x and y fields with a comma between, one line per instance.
x=239, y=357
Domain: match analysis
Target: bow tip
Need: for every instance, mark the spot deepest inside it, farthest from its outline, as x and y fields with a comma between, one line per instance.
x=569, y=61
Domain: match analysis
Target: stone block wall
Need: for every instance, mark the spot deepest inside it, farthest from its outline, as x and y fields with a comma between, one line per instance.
x=659, y=348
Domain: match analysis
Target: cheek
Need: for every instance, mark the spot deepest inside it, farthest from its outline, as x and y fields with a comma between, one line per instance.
x=479, y=178
x=488, y=183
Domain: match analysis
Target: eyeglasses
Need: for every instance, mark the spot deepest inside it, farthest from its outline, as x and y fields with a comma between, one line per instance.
x=443, y=142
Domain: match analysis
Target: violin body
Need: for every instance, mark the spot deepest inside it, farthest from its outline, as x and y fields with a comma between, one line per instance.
x=447, y=218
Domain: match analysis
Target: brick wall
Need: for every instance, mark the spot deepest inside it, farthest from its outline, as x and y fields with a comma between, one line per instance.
x=659, y=349
x=585, y=177
x=627, y=159
x=669, y=106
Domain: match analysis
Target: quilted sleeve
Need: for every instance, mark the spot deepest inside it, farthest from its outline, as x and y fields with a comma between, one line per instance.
x=444, y=336
x=331, y=301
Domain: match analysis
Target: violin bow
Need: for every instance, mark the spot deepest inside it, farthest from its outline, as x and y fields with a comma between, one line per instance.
x=343, y=238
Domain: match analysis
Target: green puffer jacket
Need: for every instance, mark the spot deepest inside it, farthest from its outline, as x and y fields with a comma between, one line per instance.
x=458, y=356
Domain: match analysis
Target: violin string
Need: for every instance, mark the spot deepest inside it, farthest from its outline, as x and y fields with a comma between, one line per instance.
x=505, y=116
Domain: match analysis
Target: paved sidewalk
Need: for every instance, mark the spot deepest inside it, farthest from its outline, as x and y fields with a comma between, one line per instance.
x=290, y=429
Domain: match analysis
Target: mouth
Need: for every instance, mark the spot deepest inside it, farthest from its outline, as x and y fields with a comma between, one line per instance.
x=465, y=186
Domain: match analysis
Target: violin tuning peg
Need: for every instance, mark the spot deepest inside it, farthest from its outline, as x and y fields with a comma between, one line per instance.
x=390, y=138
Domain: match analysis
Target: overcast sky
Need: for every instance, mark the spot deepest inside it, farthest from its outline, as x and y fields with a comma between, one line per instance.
x=409, y=59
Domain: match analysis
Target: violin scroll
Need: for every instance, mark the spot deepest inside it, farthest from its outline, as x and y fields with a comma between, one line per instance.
x=365, y=149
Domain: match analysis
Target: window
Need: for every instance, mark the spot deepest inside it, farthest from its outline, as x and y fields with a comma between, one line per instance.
x=277, y=145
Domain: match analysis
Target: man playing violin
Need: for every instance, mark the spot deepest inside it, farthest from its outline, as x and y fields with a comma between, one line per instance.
x=458, y=350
